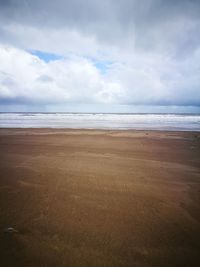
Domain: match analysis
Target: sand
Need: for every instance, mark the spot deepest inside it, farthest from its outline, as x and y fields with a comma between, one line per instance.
x=99, y=198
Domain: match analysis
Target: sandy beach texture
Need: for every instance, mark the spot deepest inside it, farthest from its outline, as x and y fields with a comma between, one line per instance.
x=93, y=198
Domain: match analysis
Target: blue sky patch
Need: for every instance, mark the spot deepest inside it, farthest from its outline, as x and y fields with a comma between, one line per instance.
x=45, y=56
x=101, y=65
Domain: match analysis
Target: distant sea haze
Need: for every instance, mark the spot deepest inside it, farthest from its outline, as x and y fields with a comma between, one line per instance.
x=138, y=121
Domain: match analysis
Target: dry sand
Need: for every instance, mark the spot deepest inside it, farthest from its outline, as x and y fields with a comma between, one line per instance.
x=99, y=198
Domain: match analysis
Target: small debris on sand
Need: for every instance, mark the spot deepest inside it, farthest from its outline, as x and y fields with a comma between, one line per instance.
x=10, y=230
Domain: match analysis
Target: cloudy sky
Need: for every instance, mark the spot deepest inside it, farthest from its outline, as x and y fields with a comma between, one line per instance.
x=106, y=56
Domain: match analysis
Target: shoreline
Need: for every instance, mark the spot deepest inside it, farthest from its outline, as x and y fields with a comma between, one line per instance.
x=54, y=129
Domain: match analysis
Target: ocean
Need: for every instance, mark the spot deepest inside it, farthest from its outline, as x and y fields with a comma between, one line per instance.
x=138, y=121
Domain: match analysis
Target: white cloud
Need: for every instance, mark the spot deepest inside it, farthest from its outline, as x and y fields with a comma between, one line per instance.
x=25, y=78
x=144, y=79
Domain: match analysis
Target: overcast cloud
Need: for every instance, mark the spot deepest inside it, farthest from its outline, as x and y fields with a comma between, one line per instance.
x=107, y=52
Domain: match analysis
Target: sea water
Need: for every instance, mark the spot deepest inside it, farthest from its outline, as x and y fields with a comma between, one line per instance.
x=138, y=121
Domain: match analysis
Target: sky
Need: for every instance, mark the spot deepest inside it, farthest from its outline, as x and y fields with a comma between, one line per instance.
x=100, y=56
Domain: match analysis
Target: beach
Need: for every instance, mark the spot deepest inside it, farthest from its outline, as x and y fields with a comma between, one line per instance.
x=99, y=198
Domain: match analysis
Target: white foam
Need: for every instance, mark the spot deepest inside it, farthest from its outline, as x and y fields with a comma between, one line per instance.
x=186, y=122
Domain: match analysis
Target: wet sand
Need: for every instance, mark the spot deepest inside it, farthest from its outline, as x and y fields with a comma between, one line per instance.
x=99, y=198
